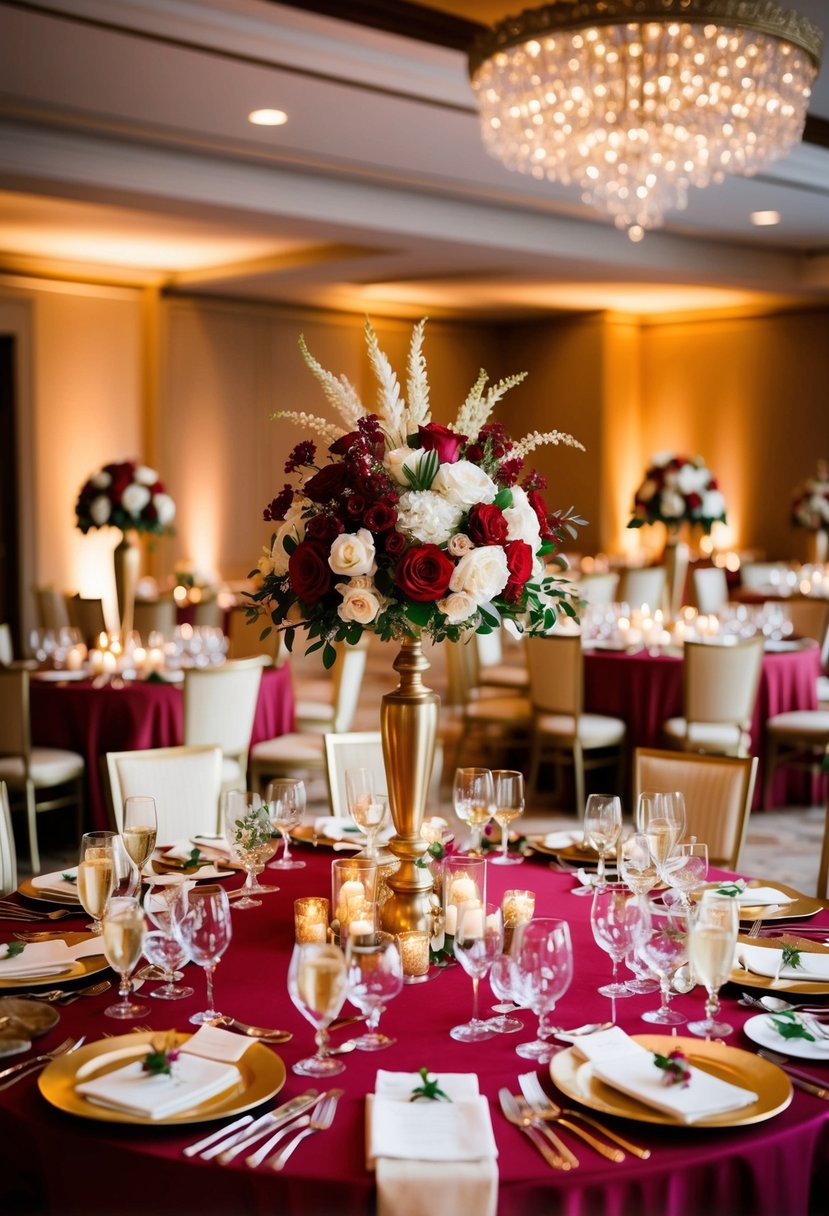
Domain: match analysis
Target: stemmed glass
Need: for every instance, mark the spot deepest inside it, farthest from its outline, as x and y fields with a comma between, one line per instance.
x=479, y=939
x=367, y=808
x=474, y=801
x=637, y=870
x=712, y=936
x=374, y=976
x=286, y=799
x=664, y=949
x=543, y=973
x=317, y=986
x=104, y=869
x=202, y=924
x=618, y=921
x=509, y=804
x=248, y=832
x=502, y=983
x=602, y=827
x=123, y=931
x=687, y=868
x=166, y=952
x=139, y=828
x=662, y=819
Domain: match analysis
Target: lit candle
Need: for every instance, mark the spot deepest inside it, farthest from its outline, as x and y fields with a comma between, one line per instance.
x=311, y=919
x=462, y=890
x=109, y=663
x=360, y=928
x=451, y=921
x=518, y=907
x=473, y=922
x=74, y=658
x=414, y=954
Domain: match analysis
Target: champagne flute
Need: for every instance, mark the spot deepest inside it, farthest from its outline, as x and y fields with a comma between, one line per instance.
x=166, y=952
x=202, y=924
x=509, y=804
x=664, y=948
x=286, y=800
x=317, y=986
x=367, y=808
x=96, y=875
x=712, y=937
x=123, y=932
x=662, y=819
x=474, y=801
x=139, y=828
x=374, y=976
x=249, y=834
x=479, y=939
x=543, y=973
x=602, y=827
x=618, y=921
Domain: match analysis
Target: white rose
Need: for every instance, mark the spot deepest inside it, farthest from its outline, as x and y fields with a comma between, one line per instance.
x=293, y=525
x=145, y=476
x=101, y=480
x=672, y=505
x=713, y=504
x=459, y=544
x=457, y=607
x=661, y=459
x=464, y=483
x=691, y=480
x=427, y=517
x=361, y=601
x=481, y=574
x=353, y=553
x=165, y=509
x=522, y=521
x=100, y=509
x=398, y=459
x=135, y=498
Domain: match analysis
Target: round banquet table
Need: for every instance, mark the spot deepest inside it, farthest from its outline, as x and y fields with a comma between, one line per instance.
x=133, y=716
x=52, y=1162
x=644, y=690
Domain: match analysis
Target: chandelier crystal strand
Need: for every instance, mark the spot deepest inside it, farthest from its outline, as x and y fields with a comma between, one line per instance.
x=634, y=111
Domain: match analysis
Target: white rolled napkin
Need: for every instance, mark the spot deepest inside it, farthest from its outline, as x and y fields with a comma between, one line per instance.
x=56, y=884
x=768, y=961
x=159, y=1096
x=627, y=1066
x=37, y=958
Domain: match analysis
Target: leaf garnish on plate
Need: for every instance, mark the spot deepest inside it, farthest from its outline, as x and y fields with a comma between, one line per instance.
x=789, y=1026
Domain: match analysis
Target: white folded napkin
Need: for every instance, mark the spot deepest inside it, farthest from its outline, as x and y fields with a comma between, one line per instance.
x=87, y=948
x=159, y=1096
x=752, y=897
x=620, y=1062
x=213, y=848
x=56, y=884
x=562, y=840
x=37, y=958
x=338, y=827
x=213, y=1043
x=768, y=961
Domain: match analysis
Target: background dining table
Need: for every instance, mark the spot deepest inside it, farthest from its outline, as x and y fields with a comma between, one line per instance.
x=56, y=1163
x=94, y=719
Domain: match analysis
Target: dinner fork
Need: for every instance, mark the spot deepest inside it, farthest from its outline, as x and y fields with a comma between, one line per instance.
x=562, y=1158
x=546, y=1108
x=318, y=1122
x=13, y=911
x=10, y=1076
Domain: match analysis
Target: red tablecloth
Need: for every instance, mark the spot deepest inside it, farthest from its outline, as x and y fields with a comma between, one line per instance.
x=74, y=1166
x=94, y=721
x=645, y=690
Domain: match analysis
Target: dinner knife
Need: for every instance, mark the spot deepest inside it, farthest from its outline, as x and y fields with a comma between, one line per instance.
x=265, y=1123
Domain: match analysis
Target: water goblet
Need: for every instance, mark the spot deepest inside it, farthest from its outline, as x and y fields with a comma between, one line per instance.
x=712, y=936
x=687, y=868
x=602, y=827
x=139, y=828
x=248, y=832
x=123, y=933
x=374, y=975
x=664, y=949
x=317, y=986
x=202, y=924
x=478, y=941
x=96, y=875
x=474, y=801
x=286, y=799
x=543, y=973
x=367, y=808
x=502, y=983
x=166, y=952
x=509, y=804
x=617, y=920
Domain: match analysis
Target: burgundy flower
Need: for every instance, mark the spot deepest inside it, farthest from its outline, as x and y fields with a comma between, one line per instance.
x=487, y=526
x=342, y=445
x=510, y=470
x=380, y=517
x=693, y=501
x=324, y=528
x=447, y=443
x=538, y=505
x=520, y=565
x=277, y=507
x=355, y=506
x=301, y=456
x=328, y=483
x=534, y=481
x=309, y=572
x=394, y=543
x=424, y=573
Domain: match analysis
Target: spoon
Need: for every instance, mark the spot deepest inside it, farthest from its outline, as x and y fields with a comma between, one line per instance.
x=776, y=1004
x=343, y=1049
x=253, y=1032
x=578, y=1031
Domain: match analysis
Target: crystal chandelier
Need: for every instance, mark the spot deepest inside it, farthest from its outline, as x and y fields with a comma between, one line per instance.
x=636, y=100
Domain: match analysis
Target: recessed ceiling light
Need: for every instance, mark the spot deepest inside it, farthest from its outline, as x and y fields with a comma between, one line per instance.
x=765, y=219
x=268, y=118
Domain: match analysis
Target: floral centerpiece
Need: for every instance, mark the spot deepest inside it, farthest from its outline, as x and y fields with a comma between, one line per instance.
x=810, y=501
x=128, y=496
x=403, y=526
x=677, y=490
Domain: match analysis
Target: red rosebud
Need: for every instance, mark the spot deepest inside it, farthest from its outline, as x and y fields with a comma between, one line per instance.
x=380, y=517
x=324, y=528
x=693, y=500
x=486, y=525
x=340, y=446
x=520, y=565
x=436, y=438
x=328, y=483
x=309, y=572
x=355, y=506
x=424, y=573
x=394, y=543
x=536, y=501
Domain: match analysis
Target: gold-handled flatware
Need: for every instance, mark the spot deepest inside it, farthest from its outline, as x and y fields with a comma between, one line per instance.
x=546, y=1108
x=319, y=1122
x=10, y=1076
x=604, y=1150
x=802, y=1080
x=558, y=1159
x=264, y=1034
x=227, y=1150
x=65, y=996
x=9, y=910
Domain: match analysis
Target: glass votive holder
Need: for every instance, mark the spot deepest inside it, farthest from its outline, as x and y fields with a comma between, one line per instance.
x=363, y=928
x=464, y=879
x=311, y=916
x=518, y=908
x=353, y=891
x=413, y=946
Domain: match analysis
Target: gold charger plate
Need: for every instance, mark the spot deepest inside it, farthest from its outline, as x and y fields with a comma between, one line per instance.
x=575, y=854
x=801, y=908
x=261, y=1075
x=26, y=889
x=750, y=979
x=82, y=968
x=573, y=1076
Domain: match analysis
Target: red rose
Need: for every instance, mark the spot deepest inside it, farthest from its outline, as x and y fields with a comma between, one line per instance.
x=355, y=506
x=436, y=438
x=424, y=573
x=323, y=528
x=309, y=572
x=394, y=543
x=520, y=565
x=327, y=484
x=487, y=525
x=538, y=504
x=693, y=500
x=380, y=517
x=340, y=446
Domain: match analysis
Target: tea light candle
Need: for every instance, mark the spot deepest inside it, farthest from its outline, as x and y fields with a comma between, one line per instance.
x=311, y=919
x=414, y=955
x=451, y=921
x=518, y=907
x=360, y=927
x=351, y=899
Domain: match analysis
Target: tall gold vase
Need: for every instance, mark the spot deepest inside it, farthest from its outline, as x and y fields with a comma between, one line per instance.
x=409, y=725
x=127, y=559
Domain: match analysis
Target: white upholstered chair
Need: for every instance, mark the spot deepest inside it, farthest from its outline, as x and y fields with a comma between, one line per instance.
x=640, y=585
x=363, y=749
x=154, y=615
x=493, y=671
x=760, y=576
x=719, y=688
x=598, y=590
x=823, y=869
x=219, y=709
x=186, y=783
x=798, y=738
x=329, y=703
x=47, y=777
x=8, y=856
x=88, y=616
x=718, y=792
x=710, y=589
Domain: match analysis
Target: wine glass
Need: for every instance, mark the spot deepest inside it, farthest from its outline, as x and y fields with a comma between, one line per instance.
x=502, y=983
x=123, y=932
x=166, y=952
x=712, y=936
x=662, y=819
x=139, y=828
x=249, y=834
x=687, y=868
x=637, y=870
x=367, y=808
x=664, y=948
x=617, y=920
x=602, y=827
x=202, y=924
x=478, y=941
x=374, y=976
x=317, y=986
x=509, y=804
x=286, y=799
x=96, y=875
x=543, y=973
x=474, y=801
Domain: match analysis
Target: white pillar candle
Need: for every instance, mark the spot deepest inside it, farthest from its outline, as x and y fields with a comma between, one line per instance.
x=463, y=889
x=451, y=924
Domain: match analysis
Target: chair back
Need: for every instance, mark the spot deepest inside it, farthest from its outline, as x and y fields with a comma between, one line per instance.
x=556, y=667
x=710, y=589
x=185, y=782
x=598, y=589
x=245, y=641
x=645, y=585
x=348, y=672
x=89, y=617
x=50, y=608
x=15, y=731
x=209, y=612
x=220, y=705
x=760, y=576
x=462, y=671
x=718, y=791
x=8, y=856
x=6, y=651
x=720, y=682
x=352, y=749
x=810, y=619
x=154, y=616
x=490, y=651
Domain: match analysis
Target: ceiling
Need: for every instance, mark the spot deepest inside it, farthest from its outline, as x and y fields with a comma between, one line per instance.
x=126, y=156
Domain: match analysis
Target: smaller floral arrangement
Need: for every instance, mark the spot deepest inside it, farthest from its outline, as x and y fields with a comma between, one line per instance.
x=159, y=1060
x=675, y=1068
x=253, y=831
x=676, y=490
x=128, y=496
x=810, y=502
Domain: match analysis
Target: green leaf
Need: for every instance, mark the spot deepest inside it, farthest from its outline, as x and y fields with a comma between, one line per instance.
x=289, y=543
x=789, y=1026
x=14, y=948
x=329, y=656
x=290, y=634
x=791, y=956
x=265, y=633
x=419, y=614
x=503, y=498
x=193, y=861
x=429, y=1088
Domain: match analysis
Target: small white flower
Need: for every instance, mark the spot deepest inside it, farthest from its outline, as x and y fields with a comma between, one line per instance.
x=692, y=480
x=428, y=517
x=101, y=480
x=165, y=509
x=457, y=607
x=661, y=459
x=100, y=510
x=713, y=504
x=352, y=553
x=362, y=601
x=464, y=483
x=399, y=458
x=522, y=521
x=135, y=498
x=672, y=505
x=459, y=544
x=145, y=476
x=481, y=574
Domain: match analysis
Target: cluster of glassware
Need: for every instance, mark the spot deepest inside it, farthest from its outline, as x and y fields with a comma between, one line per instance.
x=623, y=627
x=59, y=649
x=482, y=794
